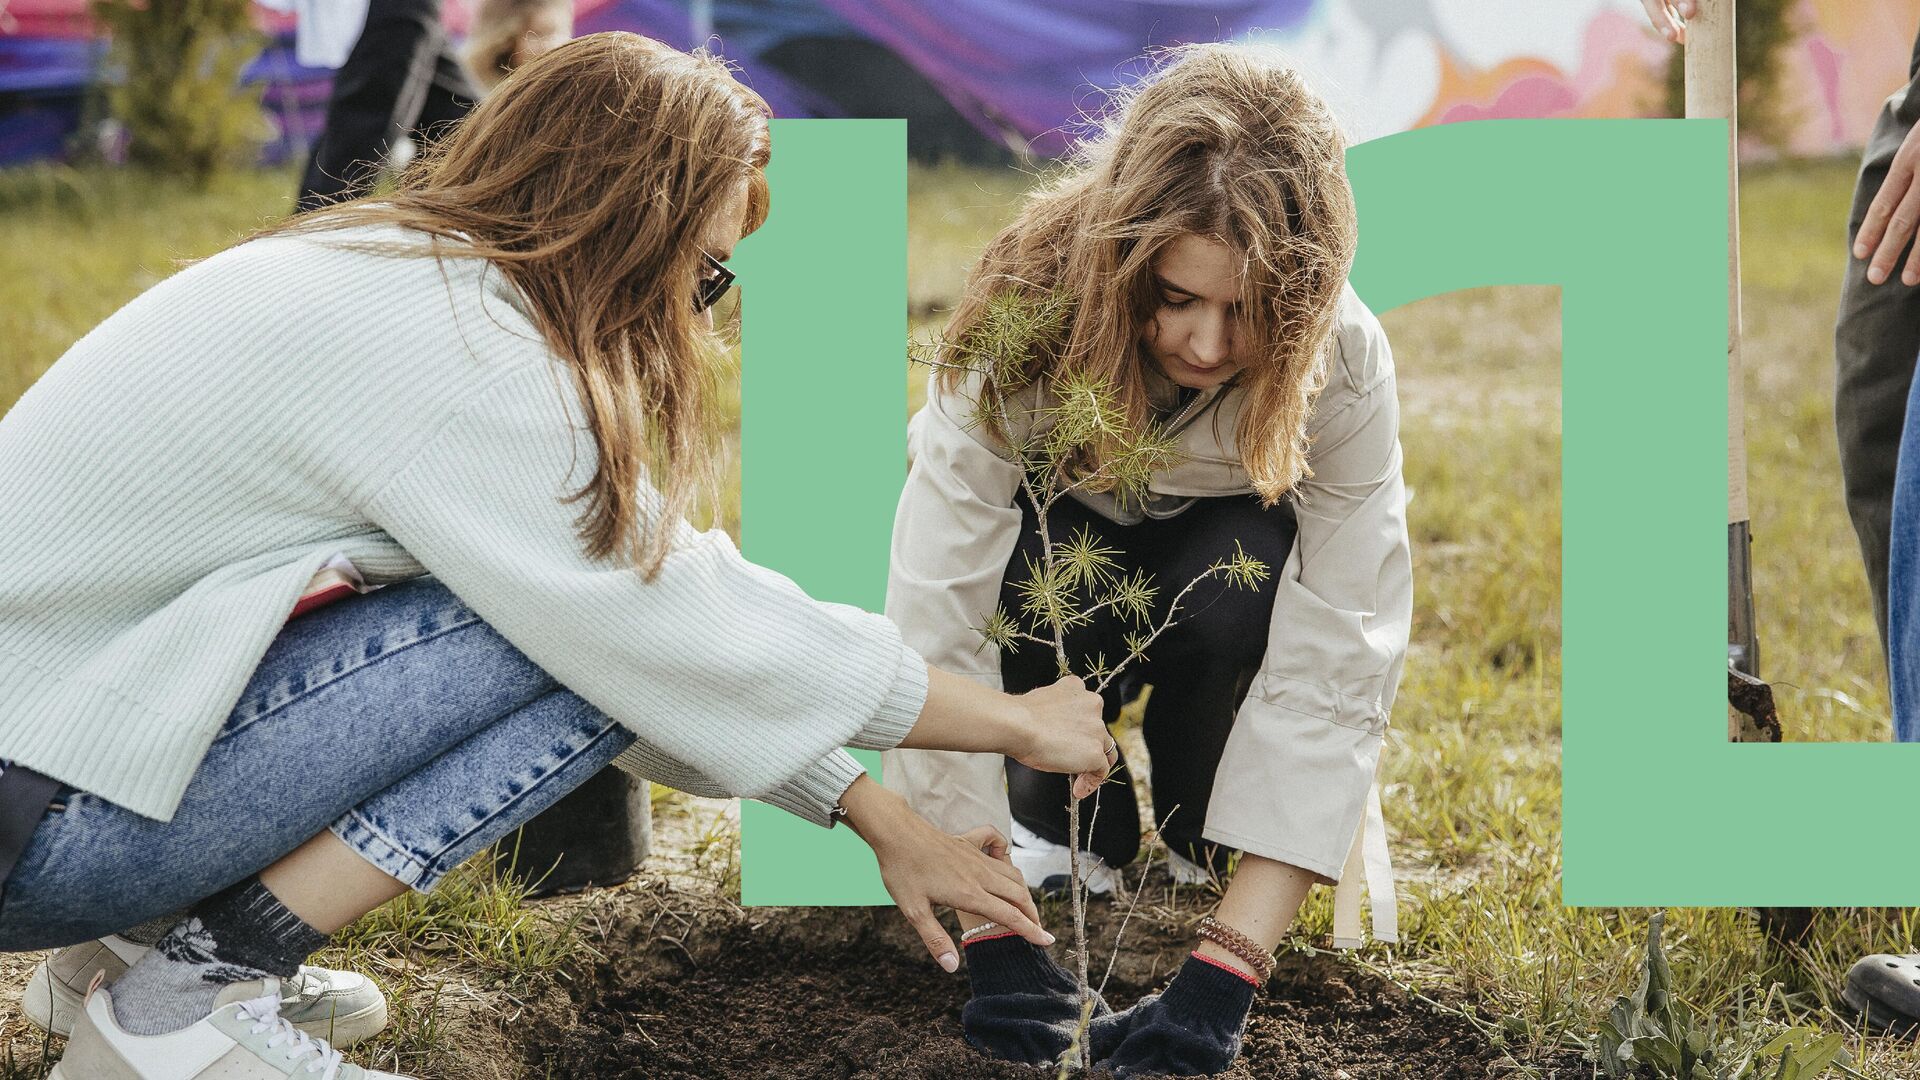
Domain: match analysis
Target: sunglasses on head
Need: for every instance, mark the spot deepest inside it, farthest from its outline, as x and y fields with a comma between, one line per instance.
x=714, y=283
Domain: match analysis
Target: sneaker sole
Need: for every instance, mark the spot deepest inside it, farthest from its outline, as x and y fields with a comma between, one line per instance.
x=53, y=1008
x=347, y=1029
x=48, y=1005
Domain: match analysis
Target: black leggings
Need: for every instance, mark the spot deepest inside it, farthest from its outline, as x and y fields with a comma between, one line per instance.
x=1199, y=669
x=401, y=79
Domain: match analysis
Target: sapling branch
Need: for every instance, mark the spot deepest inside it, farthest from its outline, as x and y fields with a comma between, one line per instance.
x=1077, y=437
x=1133, y=902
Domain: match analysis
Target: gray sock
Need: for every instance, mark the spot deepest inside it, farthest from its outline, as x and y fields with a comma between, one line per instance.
x=240, y=933
x=153, y=929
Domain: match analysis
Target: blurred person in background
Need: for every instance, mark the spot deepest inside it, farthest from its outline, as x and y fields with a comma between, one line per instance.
x=396, y=89
x=505, y=34
x=1877, y=339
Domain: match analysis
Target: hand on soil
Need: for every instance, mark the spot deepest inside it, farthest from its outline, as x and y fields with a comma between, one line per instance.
x=1066, y=734
x=1893, y=218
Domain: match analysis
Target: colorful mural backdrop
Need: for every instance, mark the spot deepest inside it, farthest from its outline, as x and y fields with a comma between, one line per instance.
x=1024, y=71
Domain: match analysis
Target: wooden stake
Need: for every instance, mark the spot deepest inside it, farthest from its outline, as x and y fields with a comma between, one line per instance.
x=1712, y=91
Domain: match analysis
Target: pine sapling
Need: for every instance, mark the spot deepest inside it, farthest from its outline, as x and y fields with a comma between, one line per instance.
x=1068, y=432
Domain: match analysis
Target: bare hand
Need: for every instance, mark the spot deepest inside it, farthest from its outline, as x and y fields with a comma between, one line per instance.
x=1067, y=734
x=1893, y=218
x=1670, y=18
x=960, y=872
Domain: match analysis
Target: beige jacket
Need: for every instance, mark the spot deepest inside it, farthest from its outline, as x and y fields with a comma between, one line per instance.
x=1296, y=781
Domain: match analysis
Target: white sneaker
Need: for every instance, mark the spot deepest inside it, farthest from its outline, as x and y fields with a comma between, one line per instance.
x=1047, y=866
x=1187, y=872
x=245, y=1038
x=342, y=1007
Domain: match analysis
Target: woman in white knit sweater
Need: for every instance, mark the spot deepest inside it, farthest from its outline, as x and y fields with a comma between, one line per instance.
x=422, y=387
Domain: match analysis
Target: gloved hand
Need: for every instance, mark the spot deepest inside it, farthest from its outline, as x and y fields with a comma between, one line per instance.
x=1192, y=1028
x=1025, y=1007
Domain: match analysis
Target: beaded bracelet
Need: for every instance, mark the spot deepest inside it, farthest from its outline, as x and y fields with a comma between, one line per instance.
x=1240, y=945
x=983, y=930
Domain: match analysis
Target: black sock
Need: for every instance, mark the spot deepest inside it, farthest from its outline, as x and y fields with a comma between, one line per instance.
x=1025, y=1007
x=240, y=933
x=1192, y=1028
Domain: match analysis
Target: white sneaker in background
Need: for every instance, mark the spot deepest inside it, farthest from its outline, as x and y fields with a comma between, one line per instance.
x=245, y=1038
x=342, y=1007
x=1046, y=866
x=1187, y=872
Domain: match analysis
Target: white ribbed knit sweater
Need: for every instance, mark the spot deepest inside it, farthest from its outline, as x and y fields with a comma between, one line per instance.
x=174, y=480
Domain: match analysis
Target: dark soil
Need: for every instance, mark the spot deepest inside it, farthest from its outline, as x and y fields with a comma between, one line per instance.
x=843, y=993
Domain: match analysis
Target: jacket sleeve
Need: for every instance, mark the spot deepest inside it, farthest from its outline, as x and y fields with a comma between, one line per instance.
x=810, y=796
x=1293, y=781
x=724, y=666
x=955, y=529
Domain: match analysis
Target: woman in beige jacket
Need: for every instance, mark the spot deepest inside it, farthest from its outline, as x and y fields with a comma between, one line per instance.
x=1203, y=239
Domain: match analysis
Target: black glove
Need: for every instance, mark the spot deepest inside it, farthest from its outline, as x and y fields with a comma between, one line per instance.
x=1025, y=1007
x=1192, y=1028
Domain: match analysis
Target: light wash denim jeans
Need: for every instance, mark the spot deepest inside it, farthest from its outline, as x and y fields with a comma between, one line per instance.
x=397, y=719
x=1903, y=580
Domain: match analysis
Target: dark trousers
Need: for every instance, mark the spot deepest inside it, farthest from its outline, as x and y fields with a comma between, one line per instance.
x=1199, y=669
x=401, y=80
x=1875, y=342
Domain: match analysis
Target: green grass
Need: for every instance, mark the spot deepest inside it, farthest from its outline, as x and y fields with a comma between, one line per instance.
x=1818, y=645
x=83, y=242
x=1472, y=768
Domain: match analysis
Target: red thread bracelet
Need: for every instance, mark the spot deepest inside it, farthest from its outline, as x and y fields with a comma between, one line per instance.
x=1224, y=966
x=989, y=937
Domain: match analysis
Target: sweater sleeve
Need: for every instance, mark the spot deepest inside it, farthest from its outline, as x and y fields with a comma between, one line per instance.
x=717, y=663
x=1301, y=758
x=953, y=533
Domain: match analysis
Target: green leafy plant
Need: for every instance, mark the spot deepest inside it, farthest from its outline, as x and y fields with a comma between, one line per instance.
x=174, y=85
x=1069, y=433
x=1653, y=1035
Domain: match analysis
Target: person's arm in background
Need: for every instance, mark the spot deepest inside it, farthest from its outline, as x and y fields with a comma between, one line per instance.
x=1670, y=18
x=1893, y=218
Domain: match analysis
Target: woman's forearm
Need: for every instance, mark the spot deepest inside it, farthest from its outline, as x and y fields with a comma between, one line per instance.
x=963, y=715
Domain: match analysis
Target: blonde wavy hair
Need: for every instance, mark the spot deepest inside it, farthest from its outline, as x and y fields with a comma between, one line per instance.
x=587, y=179
x=1224, y=141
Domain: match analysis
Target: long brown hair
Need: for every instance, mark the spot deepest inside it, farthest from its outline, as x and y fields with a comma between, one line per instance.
x=587, y=179
x=1225, y=141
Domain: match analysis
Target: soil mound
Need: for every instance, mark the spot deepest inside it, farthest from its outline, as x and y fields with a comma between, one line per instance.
x=845, y=993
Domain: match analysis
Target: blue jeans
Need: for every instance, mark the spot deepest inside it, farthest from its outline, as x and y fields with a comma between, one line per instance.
x=1903, y=580
x=399, y=720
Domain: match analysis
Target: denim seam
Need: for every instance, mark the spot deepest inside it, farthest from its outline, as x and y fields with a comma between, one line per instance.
x=354, y=830
x=433, y=872
x=336, y=676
